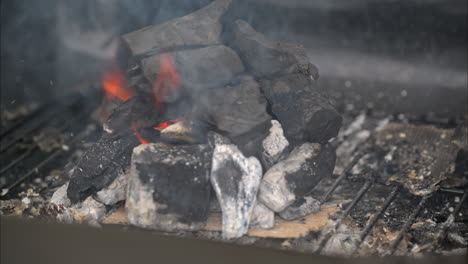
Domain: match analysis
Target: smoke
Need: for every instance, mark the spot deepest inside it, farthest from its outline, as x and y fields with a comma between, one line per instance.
x=50, y=46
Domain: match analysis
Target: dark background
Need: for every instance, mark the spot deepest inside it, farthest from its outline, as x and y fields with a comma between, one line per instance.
x=393, y=55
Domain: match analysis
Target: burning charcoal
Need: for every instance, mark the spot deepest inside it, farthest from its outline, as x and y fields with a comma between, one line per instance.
x=238, y=112
x=100, y=166
x=198, y=28
x=266, y=58
x=180, y=132
x=235, y=180
x=196, y=67
x=274, y=145
x=300, y=207
x=296, y=175
x=418, y=156
x=137, y=109
x=262, y=217
x=303, y=111
x=169, y=187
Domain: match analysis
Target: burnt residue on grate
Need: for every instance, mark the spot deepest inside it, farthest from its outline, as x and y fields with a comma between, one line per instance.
x=34, y=151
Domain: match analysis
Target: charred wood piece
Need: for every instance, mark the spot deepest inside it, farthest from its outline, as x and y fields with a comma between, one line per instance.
x=102, y=163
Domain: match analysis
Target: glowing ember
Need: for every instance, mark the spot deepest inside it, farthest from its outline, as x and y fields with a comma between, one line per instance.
x=115, y=85
x=163, y=125
x=168, y=79
x=135, y=131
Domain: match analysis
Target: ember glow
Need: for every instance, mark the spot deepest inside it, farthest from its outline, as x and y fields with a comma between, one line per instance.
x=167, y=79
x=115, y=85
x=163, y=125
x=135, y=131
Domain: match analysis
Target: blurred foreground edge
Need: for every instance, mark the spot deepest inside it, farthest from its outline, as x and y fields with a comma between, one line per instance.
x=27, y=241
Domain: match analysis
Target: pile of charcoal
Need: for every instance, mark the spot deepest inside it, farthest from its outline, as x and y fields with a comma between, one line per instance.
x=246, y=131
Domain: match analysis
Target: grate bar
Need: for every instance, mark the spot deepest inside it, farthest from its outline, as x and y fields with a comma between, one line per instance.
x=23, y=120
x=337, y=182
x=18, y=159
x=442, y=233
x=50, y=158
x=406, y=226
x=338, y=223
x=376, y=217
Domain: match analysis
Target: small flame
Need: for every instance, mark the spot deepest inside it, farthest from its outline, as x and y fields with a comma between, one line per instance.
x=115, y=85
x=168, y=78
x=135, y=131
x=167, y=123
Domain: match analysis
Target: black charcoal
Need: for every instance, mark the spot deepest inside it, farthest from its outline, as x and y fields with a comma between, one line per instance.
x=201, y=68
x=102, y=163
x=264, y=57
x=300, y=208
x=202, y=27
x=301, y=108
x=233, y=110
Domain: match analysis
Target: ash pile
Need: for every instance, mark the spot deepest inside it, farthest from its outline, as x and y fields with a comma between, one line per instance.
x=208, y=116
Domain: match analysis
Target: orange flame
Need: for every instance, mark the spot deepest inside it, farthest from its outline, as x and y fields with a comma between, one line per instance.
x=168, y=78
x=163, y=125
x=115, y=85
x=135, y=131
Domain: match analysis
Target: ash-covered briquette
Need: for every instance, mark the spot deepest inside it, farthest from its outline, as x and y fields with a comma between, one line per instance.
x=169, y=187
x=202, y=27
x=236, y=111
x=262, y=217
x=266, y=58
x=296, y=175
x=199, y=68
x=300, y=207
x=301, y=108
x=102, y=163
x=235, y=179
x=274, y=146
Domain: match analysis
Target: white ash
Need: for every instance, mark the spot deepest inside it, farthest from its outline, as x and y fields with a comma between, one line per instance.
x=342, y=242
x=140, y=206
x=274, y=144
x=262, y=217
x=236, y=203
x=274, y=190
x=354, y=127
x=115, y=192
x=60, y=196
